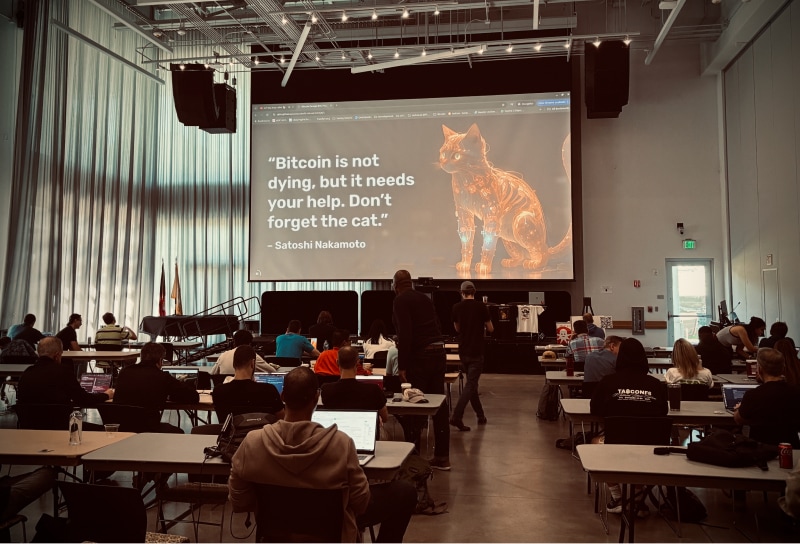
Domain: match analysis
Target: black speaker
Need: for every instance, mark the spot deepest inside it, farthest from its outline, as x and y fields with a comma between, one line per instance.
x=606, y=73
x=193, y=92
x=225, y=98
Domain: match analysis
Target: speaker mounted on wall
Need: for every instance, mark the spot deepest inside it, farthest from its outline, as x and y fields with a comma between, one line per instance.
x=606, y=74
x=199, y=102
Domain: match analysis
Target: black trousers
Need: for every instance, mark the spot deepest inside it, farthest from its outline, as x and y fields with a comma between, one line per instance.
x=426, y=373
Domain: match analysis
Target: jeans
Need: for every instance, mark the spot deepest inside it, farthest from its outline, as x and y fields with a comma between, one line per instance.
x=427, y=375
x=391, y=505
x=473, y=366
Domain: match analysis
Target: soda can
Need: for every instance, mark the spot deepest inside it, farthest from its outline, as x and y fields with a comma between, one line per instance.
x=785, y=455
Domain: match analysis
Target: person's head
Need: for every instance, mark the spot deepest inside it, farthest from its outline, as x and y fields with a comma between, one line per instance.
x=401, y=281
x=755, y=328
x=244, y=358
x=791, y=363
x=29, y=320
x=324, y=318
x=611, y=343
x=348, y=358
x=50, y=347
x=588, y=318
x=631, y=357
x=580, y=327
x=294, y=326
x=340, y=338
x=376, y=330
x=770, y=363
x=705, y=334
x=108, y=318
x=468, y=289
x=685, y=358
x=75, y=321
x=300, y=390
x=779, y=329
x=152, y=354
x=242, y=337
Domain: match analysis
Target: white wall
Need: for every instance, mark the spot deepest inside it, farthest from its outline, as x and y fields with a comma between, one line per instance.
x=653, y=167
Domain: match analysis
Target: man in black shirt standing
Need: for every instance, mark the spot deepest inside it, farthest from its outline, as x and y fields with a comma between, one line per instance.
x=470, y=318
x=421, y=357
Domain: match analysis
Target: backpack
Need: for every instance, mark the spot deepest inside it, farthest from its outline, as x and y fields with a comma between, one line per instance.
x=418, y=471
x=235, y=429
x=548, y=403
x=726, y=449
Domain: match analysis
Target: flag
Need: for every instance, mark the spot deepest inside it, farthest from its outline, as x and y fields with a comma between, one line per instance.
x=162, y=294
x=176, y=293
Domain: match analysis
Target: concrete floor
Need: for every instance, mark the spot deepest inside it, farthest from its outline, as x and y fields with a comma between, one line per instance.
x=510, y=484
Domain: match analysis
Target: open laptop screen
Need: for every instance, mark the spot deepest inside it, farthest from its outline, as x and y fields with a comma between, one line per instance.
x=274, y=378
x=95, y=383
x=732, y=394
x=360, y=425
x=183, y=374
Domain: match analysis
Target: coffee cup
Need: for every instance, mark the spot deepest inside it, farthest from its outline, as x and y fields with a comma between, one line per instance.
x=405, y=386
x=674, y=396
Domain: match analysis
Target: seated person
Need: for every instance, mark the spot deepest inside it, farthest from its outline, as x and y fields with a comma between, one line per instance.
x=17, y=492
x=242, y=394
x=771, y=410
x=146, y=385
x=49, y=382
x=791, y=363
x=68, y=335
x=112, y=334
x=18, y=351
x=296, y=452
x=688, y=368
x=592, y=329
x=777, y=331
x=25, y=331
x=600, y=364
x=328, y=361
x=224, y=364
x=630, y=391
x=322, y=330
x=715, y=356
x=377, y=340
x=582, y=344
x=392, y=368
x=293, y=344
x=350, y=394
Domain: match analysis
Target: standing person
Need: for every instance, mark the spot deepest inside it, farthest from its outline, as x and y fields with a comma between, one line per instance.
x=743, y=337
x=25, y=331
x=112, y=334
x=421, y=357
x=688, y=368
x=68, y=336
x=593, y=330
x=470, y=318
x=322, y=330
x=715, y=356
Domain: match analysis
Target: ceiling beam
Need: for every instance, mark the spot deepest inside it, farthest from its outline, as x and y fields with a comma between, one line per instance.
x=665, y=30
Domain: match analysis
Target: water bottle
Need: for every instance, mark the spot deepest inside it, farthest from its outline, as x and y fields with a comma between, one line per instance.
x=75, y=427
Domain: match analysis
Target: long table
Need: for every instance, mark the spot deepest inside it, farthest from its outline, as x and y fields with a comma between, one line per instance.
x=33, y=447
x=692, y=412
x=637, y=465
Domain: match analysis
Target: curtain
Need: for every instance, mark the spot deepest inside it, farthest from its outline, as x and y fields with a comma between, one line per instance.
x=108, y=184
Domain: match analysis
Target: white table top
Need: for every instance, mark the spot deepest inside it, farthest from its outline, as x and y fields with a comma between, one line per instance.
x=551, y=347
x=404, y=408
x=627, y=464
x=33, y=447
x=559, y=377
x=691, y=412
x=13, y=369
x=740, y=379
x=90, y=355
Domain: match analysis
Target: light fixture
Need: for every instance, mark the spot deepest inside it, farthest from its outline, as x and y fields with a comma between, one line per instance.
x=510, y=48
x=182, y=30
x=436, y=11
x=537, y=47
x=406, y=14
x=206, y=66
x=343, y=55
x=233, y=80
x=344, y=16
x=316, y=57
x=183, y=67
x=284, y=20
x=424, y=52
x=157, y=33
x=374, y=15
x=482, y=49
x=230, y=61
x=627, y=40
x=567, y=44
x=680, y=228
x=256, y=61
x=369, y=55
x=417, y=59
x=313, y=17
x=283, y=60
x=396, y=54
x=596, y=42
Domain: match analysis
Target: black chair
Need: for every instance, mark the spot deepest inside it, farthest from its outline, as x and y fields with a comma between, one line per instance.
x=131, y=419
x=203, y=381
x=694, y=391
x=322, y=379
x=284, y=361
x=99, y=513
x=379, y=359
x=283, y=514
x=47, y=417
x=219, y=379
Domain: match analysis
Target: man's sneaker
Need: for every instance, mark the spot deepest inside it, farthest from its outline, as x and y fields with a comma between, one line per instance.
x=458, y=424
x=481, y=421
x=614, y=506
x=440, y=463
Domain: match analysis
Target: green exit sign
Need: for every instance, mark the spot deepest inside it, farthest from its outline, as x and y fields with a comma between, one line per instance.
x=689, y=244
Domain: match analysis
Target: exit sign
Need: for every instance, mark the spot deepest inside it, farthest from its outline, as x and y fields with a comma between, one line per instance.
x=689, y=244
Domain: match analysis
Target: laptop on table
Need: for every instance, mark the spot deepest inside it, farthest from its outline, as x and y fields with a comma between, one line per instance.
x=184, y=374
x=95, y=383
x=360, y=425
x=274, y=378
x=732, y=394
x=375, y=379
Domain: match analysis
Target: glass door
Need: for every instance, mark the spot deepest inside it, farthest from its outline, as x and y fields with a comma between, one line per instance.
x=690, y=297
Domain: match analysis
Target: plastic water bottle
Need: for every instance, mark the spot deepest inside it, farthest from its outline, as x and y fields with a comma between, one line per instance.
x=75, y=427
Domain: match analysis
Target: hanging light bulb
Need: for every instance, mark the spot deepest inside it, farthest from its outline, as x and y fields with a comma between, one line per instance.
x=596, y=42
x=436, y=11
x=343, y=55
x=256, y=61
x=396, y=54
x=510, y=48
x=316, y=57
x=284, y=20
x=424, y=52
x=537, y=47
x=567, y=44
x=182, y=66
x=344, y=16
x=313, y=17
x=627, y=40
x=181, y=30
x=369, y=55
x=406, y=14
x=374, y=15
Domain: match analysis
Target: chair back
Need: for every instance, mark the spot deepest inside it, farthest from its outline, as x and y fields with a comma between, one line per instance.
x=284, y=361
x=203, y=381
x=283, y=514
x=322, y=379
x=694, y=391
x=379, y=359
x=43, y=417
x=219, y=379
x=99, y=513
x=107, y=347
x=643, y=431
x=131, y=419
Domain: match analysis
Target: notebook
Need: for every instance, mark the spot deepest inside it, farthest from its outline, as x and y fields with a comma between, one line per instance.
x=732, y=394
x=360, y=425
x=183, y=374
x=275, y=379
x=377, y=380
x=95, y=383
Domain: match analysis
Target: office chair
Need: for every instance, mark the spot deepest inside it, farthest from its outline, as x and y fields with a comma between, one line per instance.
x=694, y=391
x=283, y=514
x=379, y=359
x=283, y=361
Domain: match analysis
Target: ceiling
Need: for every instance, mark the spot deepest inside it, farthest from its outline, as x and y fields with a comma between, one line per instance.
x=237, y=35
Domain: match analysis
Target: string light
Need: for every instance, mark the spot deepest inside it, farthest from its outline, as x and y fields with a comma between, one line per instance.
x=537, y=47
x=627, y=40
x=406, y=14
x=374, y=15
x=396, y=53
x=596, y=42
x=344, y=16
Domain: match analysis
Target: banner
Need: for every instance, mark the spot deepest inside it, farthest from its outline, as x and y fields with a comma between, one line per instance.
x=162, y=294
x=176, y=293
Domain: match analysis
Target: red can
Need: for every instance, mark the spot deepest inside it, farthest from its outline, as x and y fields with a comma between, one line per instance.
x=785, y=455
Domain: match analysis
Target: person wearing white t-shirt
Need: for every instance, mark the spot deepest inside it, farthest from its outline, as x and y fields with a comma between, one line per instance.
x=688, y=368
x=224, y=364
x=377, y=340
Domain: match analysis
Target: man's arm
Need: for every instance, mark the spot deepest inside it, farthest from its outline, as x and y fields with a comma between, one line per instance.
x=241, y=492
x=384, y=414
x=129, y=334
x=740, y=332
x=75, y=346
x=489, y=326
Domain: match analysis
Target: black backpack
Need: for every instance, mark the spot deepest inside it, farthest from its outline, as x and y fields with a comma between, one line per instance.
x=548, y=403
x=235, y=429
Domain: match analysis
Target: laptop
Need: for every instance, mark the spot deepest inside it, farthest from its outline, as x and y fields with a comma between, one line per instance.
x=377, y=380
x=732, y=394
x=95, y=383
x=360, y=425
x=184, y=374
x=275, y=379
x=314, y=343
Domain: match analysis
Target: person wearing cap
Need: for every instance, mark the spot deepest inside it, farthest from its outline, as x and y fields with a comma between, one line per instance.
x=593, y=330
x=421, y=359
x=471, y=319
